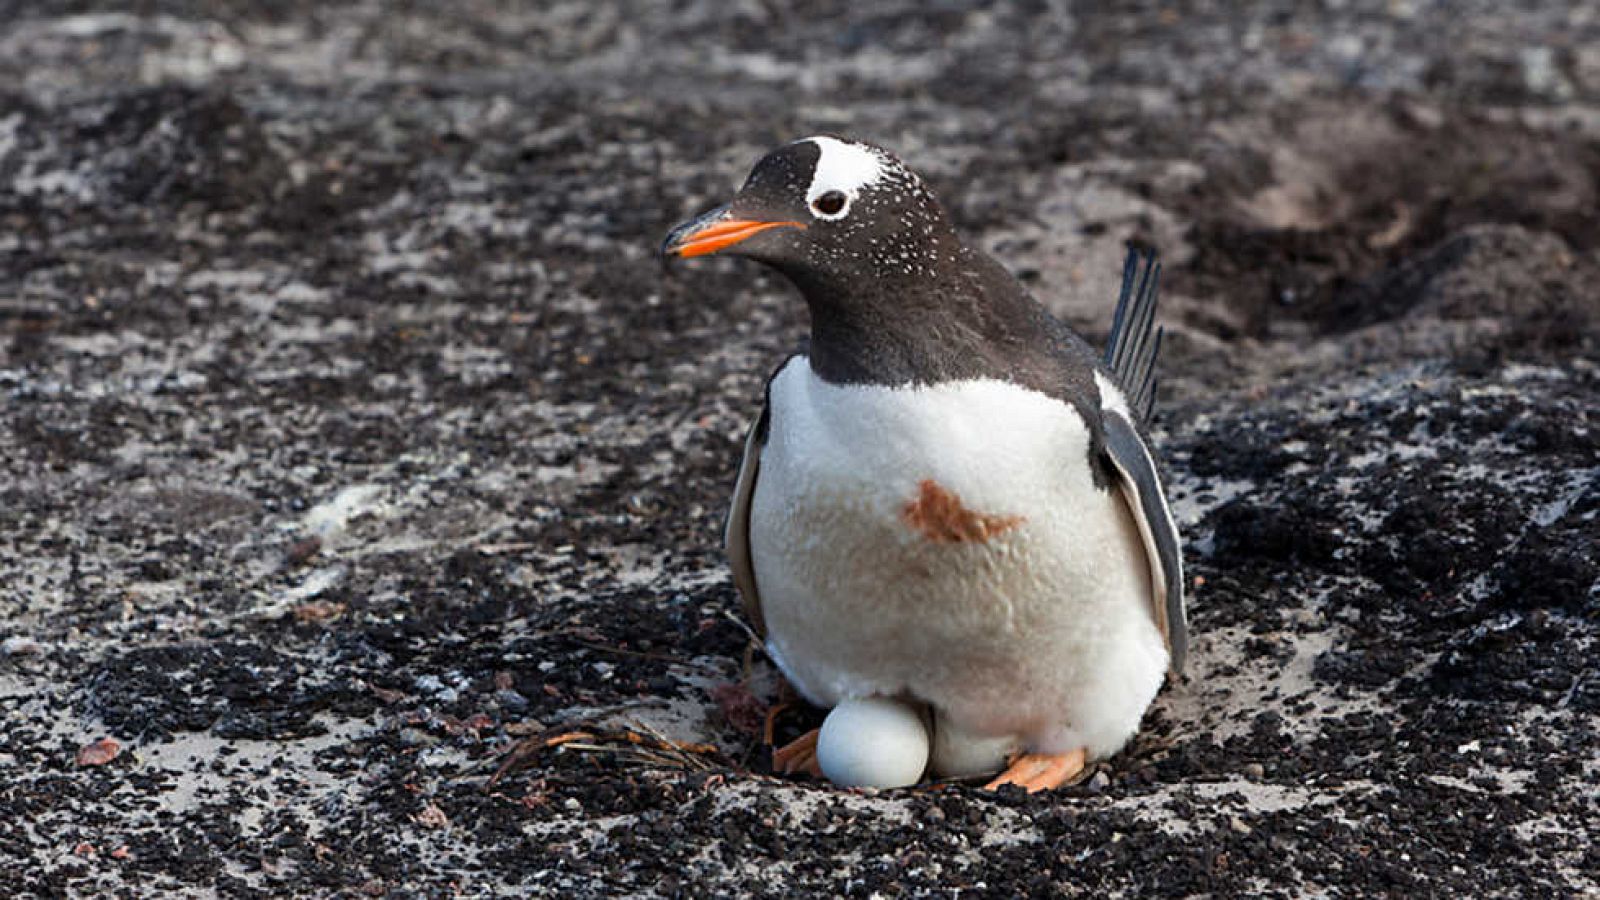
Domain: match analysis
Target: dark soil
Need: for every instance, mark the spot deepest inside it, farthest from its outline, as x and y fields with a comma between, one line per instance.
x=355, y=441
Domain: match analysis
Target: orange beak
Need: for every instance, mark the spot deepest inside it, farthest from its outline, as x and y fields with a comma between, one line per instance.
x=715, y=231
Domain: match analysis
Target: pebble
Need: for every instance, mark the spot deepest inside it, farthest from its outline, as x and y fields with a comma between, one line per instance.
x=21, y=646
x=416, y=737
x=510, y=699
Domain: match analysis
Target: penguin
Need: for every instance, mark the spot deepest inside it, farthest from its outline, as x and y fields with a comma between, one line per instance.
x=948, y=498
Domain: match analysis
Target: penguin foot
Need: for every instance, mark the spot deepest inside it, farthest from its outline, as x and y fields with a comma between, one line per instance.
x=771, y=724
x=799, y=755
x=1035, y=772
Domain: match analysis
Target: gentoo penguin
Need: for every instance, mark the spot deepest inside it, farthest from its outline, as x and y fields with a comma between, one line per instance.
x=948, y=498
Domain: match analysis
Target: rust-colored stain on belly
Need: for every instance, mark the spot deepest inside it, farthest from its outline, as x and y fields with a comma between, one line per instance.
x=940, y=517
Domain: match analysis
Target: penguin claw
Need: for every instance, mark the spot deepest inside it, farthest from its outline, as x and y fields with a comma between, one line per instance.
x=799, y=755
x=1035, y=772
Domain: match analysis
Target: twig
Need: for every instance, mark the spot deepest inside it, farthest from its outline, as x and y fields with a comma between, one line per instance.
x=511, y=547
x=653, y=747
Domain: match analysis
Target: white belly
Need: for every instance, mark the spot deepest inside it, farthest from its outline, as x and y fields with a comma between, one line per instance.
x=1037, y=628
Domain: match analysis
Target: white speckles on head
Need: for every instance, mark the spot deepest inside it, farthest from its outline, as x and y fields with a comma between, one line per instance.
x=845, y=167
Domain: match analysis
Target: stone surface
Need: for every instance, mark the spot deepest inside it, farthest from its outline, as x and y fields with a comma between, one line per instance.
x=353, y=432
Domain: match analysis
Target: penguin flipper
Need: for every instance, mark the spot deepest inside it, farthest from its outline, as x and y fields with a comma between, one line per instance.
x=1141, y=490
x=736, y=535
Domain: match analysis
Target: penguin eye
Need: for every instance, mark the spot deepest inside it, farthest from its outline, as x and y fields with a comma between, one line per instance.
x=830, y=204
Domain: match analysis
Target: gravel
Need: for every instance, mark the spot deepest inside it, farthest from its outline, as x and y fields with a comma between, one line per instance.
x=355, y=443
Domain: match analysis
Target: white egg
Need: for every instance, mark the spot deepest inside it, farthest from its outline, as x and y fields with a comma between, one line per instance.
x=875, y=742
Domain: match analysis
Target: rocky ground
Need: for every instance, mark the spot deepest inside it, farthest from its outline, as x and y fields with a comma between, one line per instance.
x=353, y=434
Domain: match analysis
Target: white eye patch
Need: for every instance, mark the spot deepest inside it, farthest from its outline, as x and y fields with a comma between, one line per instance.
x=842, y=168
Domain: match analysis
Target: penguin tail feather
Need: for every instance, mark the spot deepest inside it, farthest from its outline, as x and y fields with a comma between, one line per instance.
x=1135, y=342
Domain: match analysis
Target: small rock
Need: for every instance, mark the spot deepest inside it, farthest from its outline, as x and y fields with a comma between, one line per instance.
x=739, y=707
x=1099, y=782
x=416, y=737
x=314, y=611
x=1540, y=73
x=431, y=816
x=21, y=646
x=99, y=753
x=1255, y=771
x=510, y=699
x=302, y=550
x=433, y=685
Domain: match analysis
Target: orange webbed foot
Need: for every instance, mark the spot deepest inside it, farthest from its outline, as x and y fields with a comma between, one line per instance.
x=1035, y=772
x=799, y=755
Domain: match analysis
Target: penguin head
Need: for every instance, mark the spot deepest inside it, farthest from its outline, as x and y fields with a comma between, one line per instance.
x=834, y=215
